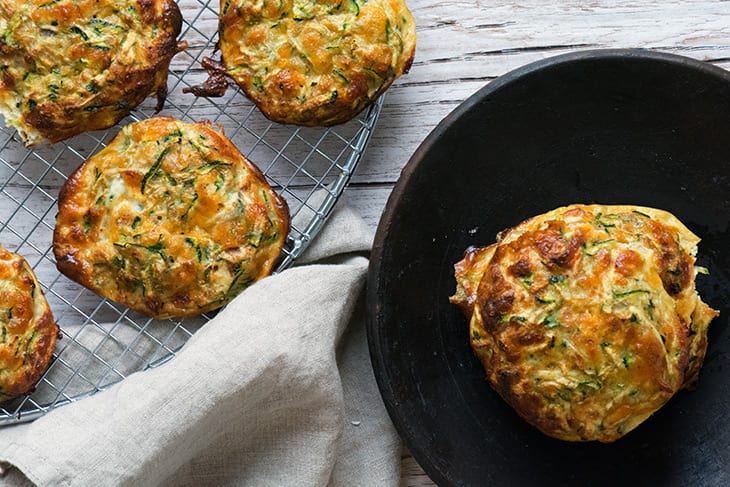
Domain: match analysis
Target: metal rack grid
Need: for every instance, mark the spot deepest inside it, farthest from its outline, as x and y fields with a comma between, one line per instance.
x=102, y=341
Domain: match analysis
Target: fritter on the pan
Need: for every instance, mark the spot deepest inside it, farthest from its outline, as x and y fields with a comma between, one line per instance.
x=586, y=318
x=27, y=330
x=69, y=66
x=169, y=219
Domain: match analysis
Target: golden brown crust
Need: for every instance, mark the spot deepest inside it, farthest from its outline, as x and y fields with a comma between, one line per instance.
x=586, y=318
x=315, y=63
x=28, y=331
x=468, y=273
x=70, y=66
x=169, y=219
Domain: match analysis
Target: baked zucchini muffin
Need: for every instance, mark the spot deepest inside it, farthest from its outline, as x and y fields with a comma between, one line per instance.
x=69, y=66
x=310, y=62
x=28, y=331
x=586, y=318
x=169, y=219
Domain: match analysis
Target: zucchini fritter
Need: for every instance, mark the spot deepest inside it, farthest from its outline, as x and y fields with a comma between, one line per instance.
x=312, y=62
x=586, y=318
x=169, y=219
x=69, y=66
x=27, y=330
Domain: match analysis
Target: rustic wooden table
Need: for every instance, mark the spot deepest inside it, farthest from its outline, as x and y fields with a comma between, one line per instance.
x=463, y=45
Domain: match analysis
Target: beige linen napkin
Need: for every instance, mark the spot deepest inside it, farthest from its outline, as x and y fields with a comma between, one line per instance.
x=276, y=390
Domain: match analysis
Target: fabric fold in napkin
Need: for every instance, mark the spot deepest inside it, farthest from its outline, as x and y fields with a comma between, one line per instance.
x=276, y=390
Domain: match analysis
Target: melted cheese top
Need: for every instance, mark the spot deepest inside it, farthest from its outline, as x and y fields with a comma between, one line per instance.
x=27, y=330
x=586, y=318
x=313, y=62
x=169, y=219
x=68, y=64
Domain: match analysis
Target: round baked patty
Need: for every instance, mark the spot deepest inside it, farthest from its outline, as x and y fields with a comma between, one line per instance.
x=586, y=318
x=315, y=63
x=28, y=331
x=169, y=219
x=69, y=66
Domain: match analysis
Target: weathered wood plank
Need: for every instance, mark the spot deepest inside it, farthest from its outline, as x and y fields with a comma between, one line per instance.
x=412, y=475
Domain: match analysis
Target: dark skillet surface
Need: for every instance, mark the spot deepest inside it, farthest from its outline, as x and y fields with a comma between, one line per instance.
x=610, y=127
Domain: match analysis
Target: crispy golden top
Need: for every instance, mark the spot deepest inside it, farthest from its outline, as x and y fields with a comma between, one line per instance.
x=315, y=62
x=27, y=330
x=586, y=318
x=169, y=219
x=67, y=66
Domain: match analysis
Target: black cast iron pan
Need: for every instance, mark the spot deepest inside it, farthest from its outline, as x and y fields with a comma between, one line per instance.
x=611, y=127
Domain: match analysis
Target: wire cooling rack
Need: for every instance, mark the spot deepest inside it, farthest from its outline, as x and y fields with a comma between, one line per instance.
x=103, y=342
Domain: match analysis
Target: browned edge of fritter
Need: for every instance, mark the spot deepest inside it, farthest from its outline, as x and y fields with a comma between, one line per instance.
x=334, y=112
x=65, y=260
x=340, y=110
x=48, y=333
x=140, y=83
